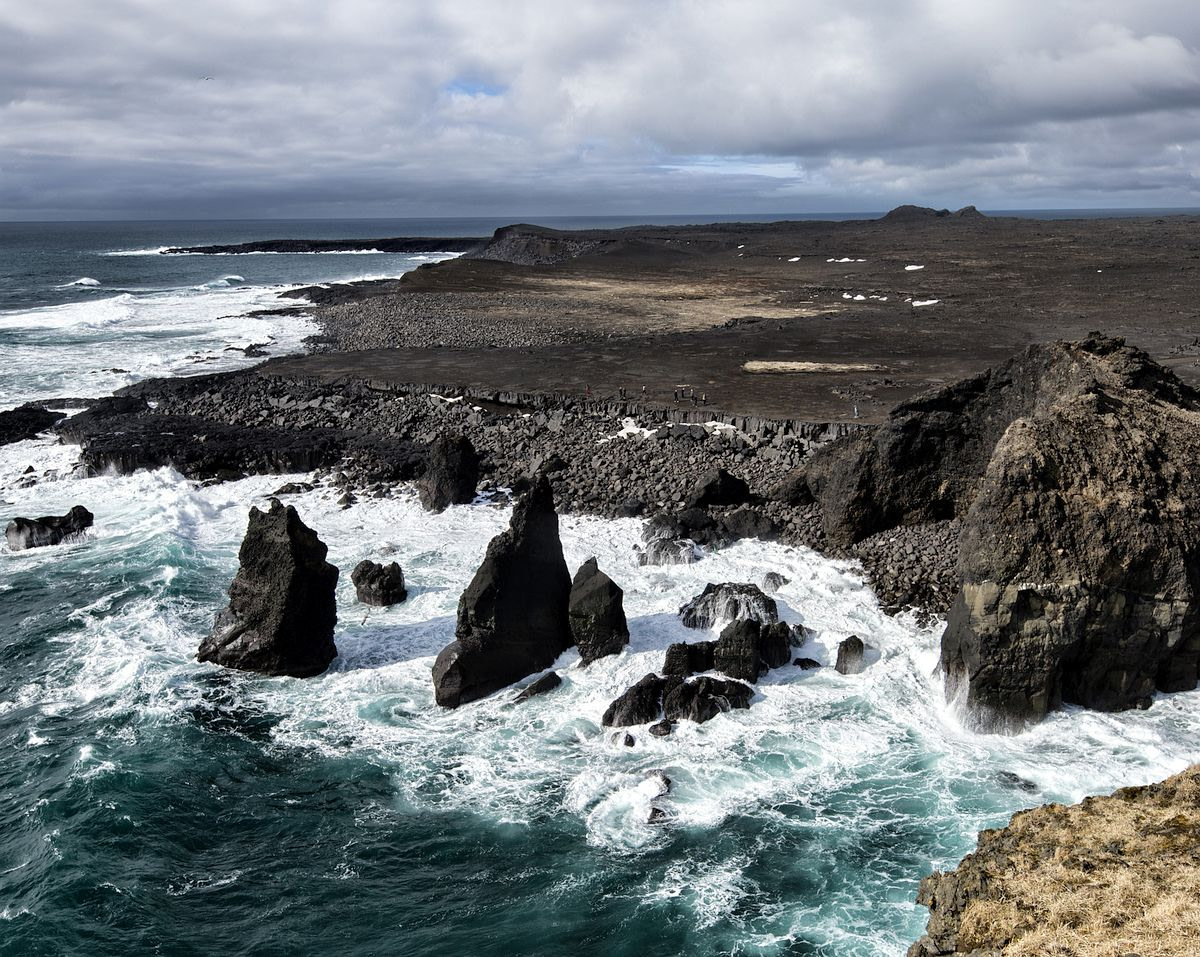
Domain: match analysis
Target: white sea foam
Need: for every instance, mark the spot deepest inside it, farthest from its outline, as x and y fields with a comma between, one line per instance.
x=82, y=281
x=926, y=302
x=878, y=749
x=912, y=268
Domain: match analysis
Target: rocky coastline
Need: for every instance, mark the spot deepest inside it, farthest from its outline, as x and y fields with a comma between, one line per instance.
x=1047, y=506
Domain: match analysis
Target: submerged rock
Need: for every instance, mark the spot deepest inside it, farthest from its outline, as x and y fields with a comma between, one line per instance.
x=850, y=656
x=730, y=601
x=379, y=585
x=23, y=533
x=546, y=683
x=513, y=617
x=452, y=473
x=597, y=613
x=772, y=582
x=282, y=608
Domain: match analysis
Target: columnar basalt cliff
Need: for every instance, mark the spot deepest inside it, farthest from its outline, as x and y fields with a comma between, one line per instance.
x=1073, y=470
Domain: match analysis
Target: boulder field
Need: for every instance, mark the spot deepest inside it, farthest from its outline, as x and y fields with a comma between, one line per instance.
x=1072, y=469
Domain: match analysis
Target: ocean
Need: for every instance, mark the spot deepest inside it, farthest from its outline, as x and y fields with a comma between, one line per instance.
x=153, y=805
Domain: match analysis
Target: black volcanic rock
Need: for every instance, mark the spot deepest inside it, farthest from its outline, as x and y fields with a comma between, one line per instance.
x=513, y=617
x=26, y=422
x=639, y=704
x=452, y=474
x=718, y=487
x=597, y=613
x=684, y=658
x=545, y=684
x=1080, y=553
x=730, y=601
x=703, y=698
x=747, y=648
x=23, y=533
x=282, y=608
x=850, y=656
x=379, y=585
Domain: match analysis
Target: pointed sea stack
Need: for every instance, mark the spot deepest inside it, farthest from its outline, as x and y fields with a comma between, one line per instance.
x=512, y=619
x=597, y=610
x=282, y=607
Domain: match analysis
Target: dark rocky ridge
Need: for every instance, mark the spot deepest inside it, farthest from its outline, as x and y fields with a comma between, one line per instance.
x=25, y=422
x=282, y=608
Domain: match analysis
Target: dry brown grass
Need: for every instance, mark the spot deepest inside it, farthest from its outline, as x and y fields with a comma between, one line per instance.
x=1109, y=877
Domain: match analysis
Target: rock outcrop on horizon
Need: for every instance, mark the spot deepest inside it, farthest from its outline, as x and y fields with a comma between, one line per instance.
x=452, y=473
x=1110, y=875
x=23, y=533
x=379, y=585
x=1073, y=469
x=513, y=617
x=282, y=608
x=597, y=613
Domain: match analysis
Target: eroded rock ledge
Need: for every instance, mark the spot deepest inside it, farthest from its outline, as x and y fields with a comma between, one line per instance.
x=1108, y=877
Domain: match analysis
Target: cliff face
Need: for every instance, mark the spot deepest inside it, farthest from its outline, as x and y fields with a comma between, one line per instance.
x=1109, y=877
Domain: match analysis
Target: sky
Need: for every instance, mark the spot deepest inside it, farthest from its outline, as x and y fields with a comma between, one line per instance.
x=319, y=108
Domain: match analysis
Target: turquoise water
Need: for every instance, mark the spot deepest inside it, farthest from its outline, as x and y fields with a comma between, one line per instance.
x=153, y=805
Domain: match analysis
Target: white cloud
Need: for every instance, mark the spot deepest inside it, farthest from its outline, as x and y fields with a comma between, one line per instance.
x=590, y=106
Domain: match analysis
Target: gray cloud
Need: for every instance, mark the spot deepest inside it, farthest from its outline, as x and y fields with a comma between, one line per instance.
x=534, y=108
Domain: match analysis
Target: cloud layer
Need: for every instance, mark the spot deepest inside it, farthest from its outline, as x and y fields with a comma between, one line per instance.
x=534, y=108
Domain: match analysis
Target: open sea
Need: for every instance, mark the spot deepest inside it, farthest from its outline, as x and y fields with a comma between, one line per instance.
x=153, y=805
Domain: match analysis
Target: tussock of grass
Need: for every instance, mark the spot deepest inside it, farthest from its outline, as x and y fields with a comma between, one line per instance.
x=1109, y=877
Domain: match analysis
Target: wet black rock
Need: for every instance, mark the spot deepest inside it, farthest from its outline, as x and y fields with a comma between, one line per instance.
x=23, y=533
x=729, y=601
x=772, y=582
x=684, y=658
x=25, y=422
x=807, y=664
x=597, y=613
x=379, y=585
x=667, y=551
x=452, y=474
x=747, y=648
x=513, y=617
x=749, y=522
x=546, y=683
x=639, y=704
x=850, y=656
x=282, y=608
x=660, y=730
x=719, y=487
x=703, y=698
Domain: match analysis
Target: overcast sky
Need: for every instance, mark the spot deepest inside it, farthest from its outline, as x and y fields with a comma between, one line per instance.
x=511, y=108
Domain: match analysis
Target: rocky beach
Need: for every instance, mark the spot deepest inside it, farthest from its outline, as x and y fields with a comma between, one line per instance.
x=1000, y=442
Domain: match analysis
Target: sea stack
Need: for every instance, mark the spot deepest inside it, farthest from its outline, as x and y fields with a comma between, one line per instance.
x=597, y=611
x=282, y=608
x=513, y=617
